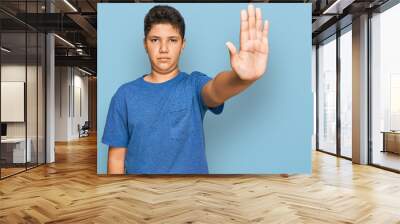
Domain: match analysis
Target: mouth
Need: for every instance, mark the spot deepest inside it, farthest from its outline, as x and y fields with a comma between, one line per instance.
x=164, y=59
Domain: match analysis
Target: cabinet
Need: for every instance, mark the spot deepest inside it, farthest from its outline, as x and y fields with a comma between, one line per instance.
x=391, y=142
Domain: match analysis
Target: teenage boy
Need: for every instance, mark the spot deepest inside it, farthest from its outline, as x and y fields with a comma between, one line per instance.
x=155, y=123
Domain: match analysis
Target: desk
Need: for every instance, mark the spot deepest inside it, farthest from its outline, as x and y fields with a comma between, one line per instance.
x=391, y=141
x=17, y=151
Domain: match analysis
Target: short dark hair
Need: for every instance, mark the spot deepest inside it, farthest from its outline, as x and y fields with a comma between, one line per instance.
x=164, y=14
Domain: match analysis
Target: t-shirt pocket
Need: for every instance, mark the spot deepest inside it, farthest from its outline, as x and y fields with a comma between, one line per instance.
x=179, y=124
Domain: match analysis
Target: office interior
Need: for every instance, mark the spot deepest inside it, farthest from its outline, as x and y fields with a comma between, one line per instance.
x=48, y=81
x=49, y=94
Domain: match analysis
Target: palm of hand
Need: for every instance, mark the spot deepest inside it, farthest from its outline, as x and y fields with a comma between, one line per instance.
x=250, y=62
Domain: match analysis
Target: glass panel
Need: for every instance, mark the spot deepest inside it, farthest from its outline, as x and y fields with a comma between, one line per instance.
x=327, y=96
x=313, y=70
x=13, y=87
x=22, y=88
x=32, y=90
x=41, y=98
x=346, y=93
x=386, y=89
x=31, y=100
x=395, y=102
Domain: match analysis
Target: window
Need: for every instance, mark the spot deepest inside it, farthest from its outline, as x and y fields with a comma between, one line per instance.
x=385, y=88
x=346, y=92
x=327, y=96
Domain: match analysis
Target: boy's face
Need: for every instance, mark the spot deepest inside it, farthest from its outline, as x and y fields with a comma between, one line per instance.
x=164, y=45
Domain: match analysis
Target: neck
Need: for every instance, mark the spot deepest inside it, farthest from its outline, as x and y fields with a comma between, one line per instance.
x=159, y=77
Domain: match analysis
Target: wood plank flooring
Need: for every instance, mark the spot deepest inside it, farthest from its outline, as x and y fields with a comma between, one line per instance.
x=70, y=191
x=10, y=171
x=388, y=159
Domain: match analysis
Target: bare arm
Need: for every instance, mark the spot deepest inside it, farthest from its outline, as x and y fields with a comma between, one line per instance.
x=116, y=160
x=225, y=85
x=248, y=64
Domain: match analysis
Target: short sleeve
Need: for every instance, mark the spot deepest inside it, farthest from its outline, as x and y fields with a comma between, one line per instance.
x=201, y=80
x=116, y=128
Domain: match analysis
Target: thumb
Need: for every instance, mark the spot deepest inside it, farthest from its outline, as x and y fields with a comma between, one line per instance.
x=232, y=48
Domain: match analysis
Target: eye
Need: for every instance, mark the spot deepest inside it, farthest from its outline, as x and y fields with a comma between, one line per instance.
x=174, y=40
x=153, y=40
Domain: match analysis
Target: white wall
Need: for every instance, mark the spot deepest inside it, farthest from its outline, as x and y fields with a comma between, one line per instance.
x=79, y=117
x=61, y=103
x=70, y=83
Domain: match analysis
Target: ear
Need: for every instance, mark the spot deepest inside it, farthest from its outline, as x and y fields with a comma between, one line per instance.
x=183, y=44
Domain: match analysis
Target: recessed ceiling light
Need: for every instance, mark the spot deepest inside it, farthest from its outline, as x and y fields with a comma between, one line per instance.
x=338, y=6
x=70, y=5
x=64, y=40
x=5, y=50
x=86, y=72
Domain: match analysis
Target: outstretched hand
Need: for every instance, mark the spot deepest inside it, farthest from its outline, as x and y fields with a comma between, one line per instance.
x=250, y=62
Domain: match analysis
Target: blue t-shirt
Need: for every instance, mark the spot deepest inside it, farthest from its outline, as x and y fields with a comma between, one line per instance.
x=161, y=125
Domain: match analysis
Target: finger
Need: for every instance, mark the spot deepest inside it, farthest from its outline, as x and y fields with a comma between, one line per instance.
x=244, y=28
x=259, y=24
x=265, y=39
x=232, y=48
x=265, y=30
x=252, y=22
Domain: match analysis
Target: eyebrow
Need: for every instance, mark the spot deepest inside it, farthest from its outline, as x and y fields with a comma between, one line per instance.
x=160, y=37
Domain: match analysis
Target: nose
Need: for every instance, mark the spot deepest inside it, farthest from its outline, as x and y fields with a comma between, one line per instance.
x=164, y=47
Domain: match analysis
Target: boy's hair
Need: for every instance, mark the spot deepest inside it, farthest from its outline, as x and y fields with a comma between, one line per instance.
x=164, y=14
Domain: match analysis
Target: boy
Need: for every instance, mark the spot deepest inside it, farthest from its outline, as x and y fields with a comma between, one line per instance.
x=155, y=123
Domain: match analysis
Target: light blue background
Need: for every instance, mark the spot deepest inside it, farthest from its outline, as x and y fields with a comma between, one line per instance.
x=264, y=130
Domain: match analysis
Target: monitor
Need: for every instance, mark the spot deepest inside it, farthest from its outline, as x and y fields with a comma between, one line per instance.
x=3, y=129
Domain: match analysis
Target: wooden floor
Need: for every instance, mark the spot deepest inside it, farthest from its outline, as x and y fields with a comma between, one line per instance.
x=69, y=191
x=388, y=159
x=5, y=172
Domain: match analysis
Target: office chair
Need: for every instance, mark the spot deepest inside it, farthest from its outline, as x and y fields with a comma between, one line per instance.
x=84, y=130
